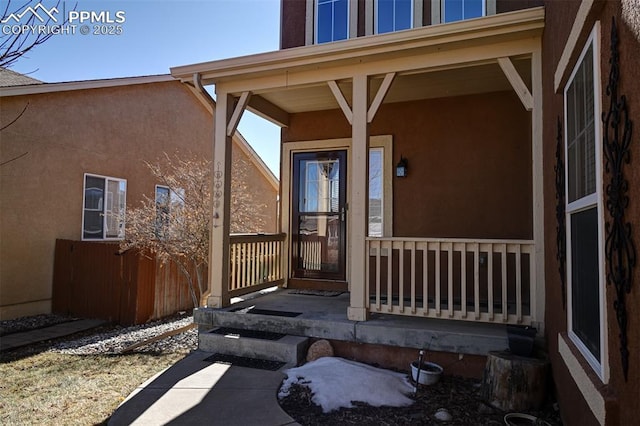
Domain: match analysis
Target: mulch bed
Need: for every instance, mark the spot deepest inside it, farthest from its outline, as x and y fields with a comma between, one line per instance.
x=461, y=398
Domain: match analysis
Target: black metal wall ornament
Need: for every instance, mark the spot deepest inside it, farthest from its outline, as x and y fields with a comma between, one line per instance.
x=561, y=232
x=620, y=250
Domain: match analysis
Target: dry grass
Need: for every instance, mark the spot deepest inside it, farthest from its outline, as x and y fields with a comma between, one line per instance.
x=56, y=389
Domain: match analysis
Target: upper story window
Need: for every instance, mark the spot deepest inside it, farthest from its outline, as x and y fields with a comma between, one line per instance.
x=458, y=10
x=104, y=201
x=332, y=20
x=393, y=15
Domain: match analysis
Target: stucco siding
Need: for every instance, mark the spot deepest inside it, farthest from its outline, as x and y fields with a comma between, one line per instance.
x=469, y=163
x=619, y=396
x=263, y=196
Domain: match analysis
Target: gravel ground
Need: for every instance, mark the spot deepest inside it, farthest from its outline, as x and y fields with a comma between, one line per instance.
x=115, y=341
x=108, y=339
x=30, y=323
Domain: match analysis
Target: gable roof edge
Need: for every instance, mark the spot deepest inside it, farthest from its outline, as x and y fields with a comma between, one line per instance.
x=33, y=89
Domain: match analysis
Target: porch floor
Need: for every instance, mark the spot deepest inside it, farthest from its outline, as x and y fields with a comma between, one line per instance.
x=326, y=317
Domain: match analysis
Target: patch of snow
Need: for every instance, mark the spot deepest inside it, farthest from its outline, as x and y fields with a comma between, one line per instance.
x=337, y=382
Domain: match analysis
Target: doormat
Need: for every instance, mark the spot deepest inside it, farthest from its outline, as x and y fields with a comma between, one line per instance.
x=324, y=293
x=241, y=361
x=252, y=310
x=251, y=334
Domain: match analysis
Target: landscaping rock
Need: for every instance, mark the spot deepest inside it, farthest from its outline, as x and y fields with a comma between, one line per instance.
x=319, y=349
x=443, y=415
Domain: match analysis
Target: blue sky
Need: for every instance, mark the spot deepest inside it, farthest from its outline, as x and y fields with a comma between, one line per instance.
x=157, y=35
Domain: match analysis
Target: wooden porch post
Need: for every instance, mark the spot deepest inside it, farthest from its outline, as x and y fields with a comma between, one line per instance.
x=218, y=294
x=537, y=300
x=358, y=309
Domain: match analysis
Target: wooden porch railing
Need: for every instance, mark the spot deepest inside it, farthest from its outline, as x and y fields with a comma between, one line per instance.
x=474, y=280
x=256, y=262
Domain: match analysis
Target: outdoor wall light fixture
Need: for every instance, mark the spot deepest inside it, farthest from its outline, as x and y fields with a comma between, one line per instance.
x=402, y=167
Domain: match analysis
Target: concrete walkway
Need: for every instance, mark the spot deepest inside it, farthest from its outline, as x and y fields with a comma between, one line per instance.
x=198, y=392
x=16, y=340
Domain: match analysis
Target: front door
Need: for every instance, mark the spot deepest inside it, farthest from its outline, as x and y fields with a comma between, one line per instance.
x=318, y=219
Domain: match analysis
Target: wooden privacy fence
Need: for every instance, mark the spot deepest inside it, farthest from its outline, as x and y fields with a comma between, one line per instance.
x=90, y=279
x=255, y=262
x=473, y=280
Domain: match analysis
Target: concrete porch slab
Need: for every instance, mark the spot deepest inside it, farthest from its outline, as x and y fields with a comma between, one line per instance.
x=326, y=317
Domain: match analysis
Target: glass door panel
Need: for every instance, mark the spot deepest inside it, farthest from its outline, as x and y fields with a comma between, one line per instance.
x=319, y=215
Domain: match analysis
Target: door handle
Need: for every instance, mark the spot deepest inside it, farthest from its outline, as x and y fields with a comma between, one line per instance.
x=342, y=214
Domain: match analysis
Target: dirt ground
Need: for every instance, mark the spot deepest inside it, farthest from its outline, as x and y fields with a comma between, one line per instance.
x=459, y=396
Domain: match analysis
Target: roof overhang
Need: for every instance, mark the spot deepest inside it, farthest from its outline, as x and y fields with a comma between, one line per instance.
x=32, y=89
x=434, y=61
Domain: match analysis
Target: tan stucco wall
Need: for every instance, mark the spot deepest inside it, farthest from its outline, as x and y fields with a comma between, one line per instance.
x=263, y=195
x=107, y=131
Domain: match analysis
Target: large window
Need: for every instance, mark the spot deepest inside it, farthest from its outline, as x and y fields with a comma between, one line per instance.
x=584, y=208
x=393, y=15
x=168, y=208
x=458, y=10
x=332, y=20
x=103, y=211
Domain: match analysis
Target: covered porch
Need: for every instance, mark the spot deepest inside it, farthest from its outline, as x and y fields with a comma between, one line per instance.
x=456, y=240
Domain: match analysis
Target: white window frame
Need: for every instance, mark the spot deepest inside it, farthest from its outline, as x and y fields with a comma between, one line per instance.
x=350, y=12
x=176, y=198
x=105, y=205
x=589, y=201
x=412, y=19
x=437, y=11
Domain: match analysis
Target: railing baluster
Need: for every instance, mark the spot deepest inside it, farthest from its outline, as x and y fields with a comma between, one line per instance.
x=505, y=307
x=401, y=277
x=437, y=283
x=390, y=277
x=463, y=280
x=413, y=277
x=277, y=249
x=268, y=259
x=234, y=266
x=274, y=261
x=378, y=250
x=252, y=263
x=450, y=280
x=245, y=265
x=425, y=278
x=261, y=257
x=518, y=283
x=476, y=280
x=490, y=280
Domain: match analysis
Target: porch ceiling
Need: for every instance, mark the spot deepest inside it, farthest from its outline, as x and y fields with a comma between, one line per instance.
x=477, y=79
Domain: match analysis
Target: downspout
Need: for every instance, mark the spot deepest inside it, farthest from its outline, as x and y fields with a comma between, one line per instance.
x=199, y=88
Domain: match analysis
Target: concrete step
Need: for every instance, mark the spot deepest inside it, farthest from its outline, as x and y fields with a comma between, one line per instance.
x=254, y=344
